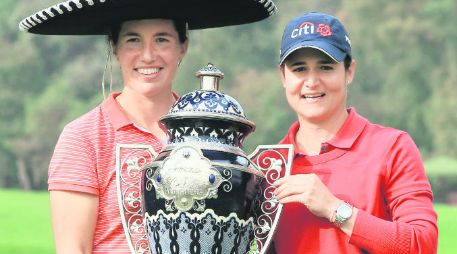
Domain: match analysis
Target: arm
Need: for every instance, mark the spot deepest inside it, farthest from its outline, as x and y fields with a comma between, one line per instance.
x=74, y=215
x=73, y=187
x=409, y=199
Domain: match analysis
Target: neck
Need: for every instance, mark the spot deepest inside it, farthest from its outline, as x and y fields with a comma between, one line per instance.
x=144, y=111
x=311, y=135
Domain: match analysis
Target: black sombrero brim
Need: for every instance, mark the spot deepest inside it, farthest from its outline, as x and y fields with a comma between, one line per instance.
x=95, y=17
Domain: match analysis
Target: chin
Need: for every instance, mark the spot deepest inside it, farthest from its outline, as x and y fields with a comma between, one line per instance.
x=311, y=116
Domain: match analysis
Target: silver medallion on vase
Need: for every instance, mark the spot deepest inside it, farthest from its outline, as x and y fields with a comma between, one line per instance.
x=185, y=179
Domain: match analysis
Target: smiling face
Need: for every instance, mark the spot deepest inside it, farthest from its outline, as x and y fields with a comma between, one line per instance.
x=149, y=52
x=315, y=85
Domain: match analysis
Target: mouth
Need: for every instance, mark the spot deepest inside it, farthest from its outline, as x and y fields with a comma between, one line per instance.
x=313, y=96
x=148, y=71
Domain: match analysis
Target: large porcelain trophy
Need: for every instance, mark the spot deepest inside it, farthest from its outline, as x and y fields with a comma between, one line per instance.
x=202, y=193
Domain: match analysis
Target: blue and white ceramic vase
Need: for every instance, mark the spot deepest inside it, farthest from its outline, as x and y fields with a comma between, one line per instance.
x=203, y=194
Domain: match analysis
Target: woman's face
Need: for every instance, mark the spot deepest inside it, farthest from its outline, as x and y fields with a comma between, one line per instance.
x=315, y=85
x=149, y=52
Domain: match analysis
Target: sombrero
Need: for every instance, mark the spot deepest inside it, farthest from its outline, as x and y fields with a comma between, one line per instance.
x=92, y=17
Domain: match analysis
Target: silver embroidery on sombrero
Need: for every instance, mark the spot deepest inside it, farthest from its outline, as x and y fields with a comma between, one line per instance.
x=66, y=7
x=271, y=7
x=60, y=8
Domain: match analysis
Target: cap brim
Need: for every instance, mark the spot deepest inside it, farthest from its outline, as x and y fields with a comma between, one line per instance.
x=333, y=52
x=81, y=18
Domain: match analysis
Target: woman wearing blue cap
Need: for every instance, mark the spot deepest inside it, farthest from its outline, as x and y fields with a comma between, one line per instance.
x=356, y=187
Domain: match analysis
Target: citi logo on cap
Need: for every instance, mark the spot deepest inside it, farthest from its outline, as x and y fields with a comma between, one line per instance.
x=308, y=28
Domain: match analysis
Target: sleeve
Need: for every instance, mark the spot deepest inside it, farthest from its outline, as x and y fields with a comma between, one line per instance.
x=72, y=167
x=409, y=199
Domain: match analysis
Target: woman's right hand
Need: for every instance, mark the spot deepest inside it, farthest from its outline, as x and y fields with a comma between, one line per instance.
x=309, y=190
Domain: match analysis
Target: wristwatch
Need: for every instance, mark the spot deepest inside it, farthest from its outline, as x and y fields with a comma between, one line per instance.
x=342, y=213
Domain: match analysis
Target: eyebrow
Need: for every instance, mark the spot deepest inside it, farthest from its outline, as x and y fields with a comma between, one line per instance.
x=164, y=34
x=323, y=61
x=327, y=61
x=297, y=63
x=130, y=33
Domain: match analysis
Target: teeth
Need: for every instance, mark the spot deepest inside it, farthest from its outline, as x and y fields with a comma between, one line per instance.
x=148, y=71
x=312, y=96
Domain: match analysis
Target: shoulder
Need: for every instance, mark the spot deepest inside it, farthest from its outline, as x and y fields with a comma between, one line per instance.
x=386, y=134
x=383, y=132
x=379, y=138
x=85, y=124
x=86, y=129
x=373, y=131
x=389, y=141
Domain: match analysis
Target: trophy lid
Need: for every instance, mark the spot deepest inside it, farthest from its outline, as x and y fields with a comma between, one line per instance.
x=208, y=102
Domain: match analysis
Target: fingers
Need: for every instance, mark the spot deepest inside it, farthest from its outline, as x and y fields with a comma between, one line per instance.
x=290, y=185
x=291, y=199
x=288, y=189
x=306, y=189
x=300, y=178
x=280, y=181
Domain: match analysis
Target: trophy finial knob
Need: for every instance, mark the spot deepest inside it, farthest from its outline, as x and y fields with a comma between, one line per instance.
x=209, y=77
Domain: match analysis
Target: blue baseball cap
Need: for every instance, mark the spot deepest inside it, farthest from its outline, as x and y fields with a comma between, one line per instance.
x=316, y=30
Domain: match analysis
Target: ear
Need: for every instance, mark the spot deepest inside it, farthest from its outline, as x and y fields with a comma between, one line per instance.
x=113, y=48
x=184, y=47
x=350, y=72
x=281, y=70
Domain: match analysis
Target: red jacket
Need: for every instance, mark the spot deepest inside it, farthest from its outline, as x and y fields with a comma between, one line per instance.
x=376, y=169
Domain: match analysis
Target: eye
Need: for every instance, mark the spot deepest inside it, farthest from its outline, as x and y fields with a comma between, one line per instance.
x=327, y=67
x=132, y=39
x=162, y=40
x=299, y=69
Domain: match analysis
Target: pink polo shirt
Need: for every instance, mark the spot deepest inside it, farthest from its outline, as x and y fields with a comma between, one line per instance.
x=84, y=160
x=376, y=169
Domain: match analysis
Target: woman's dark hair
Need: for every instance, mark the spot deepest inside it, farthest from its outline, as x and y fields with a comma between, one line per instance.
x=347, y=62
x=180, y=26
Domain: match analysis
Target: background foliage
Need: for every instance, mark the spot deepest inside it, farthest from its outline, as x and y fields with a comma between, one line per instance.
x=406, y=53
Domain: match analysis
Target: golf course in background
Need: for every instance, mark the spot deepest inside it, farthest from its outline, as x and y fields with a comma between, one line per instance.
x=25, y=224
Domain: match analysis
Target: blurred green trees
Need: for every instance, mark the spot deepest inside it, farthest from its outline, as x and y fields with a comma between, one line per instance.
x=406, y=53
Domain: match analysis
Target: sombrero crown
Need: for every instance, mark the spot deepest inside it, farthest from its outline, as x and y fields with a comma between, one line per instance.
x=91, y=17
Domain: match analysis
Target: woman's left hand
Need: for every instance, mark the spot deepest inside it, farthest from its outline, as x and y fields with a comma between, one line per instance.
x=308, y=190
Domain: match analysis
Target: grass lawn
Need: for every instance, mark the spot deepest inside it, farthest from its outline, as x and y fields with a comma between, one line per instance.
x=447, y=226
x=25, y=225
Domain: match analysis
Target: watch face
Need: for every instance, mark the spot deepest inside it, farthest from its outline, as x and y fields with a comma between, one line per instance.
x=345, y=211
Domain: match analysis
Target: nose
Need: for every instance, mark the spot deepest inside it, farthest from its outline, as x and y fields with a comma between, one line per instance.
x=149, y=52
x=311, y=80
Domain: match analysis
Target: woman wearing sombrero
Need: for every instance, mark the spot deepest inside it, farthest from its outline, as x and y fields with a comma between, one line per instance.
x=149, y=39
